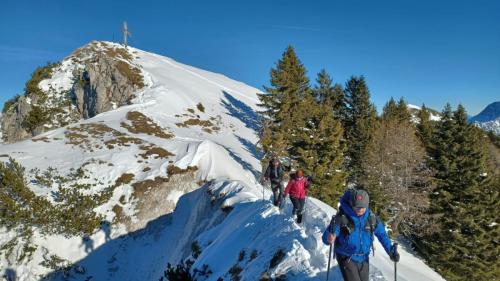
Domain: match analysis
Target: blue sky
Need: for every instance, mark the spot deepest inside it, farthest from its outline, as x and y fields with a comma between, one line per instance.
x=429, y=52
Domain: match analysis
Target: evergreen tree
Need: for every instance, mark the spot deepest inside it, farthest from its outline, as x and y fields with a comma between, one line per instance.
x=466, y=199
x=396, y=111
x=320, y=152
x=390, y=110
x=281, y=103
x=425, y=129
x=402, y=110
x=328, y=94
x=359, y=122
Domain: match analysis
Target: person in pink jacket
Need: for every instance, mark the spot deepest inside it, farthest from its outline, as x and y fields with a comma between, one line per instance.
x=297, y=188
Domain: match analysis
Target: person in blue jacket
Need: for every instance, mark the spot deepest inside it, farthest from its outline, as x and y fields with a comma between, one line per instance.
x=352, y=231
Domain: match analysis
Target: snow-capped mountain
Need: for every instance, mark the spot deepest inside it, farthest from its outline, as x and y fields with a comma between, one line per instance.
x=172, y=169
x=489, y=118
x=413, y=109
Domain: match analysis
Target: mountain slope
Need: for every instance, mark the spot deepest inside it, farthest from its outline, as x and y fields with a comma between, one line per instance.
x=185, y=141
x=489, y=118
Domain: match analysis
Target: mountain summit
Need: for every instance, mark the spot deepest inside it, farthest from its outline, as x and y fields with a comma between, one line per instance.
x=489, y=118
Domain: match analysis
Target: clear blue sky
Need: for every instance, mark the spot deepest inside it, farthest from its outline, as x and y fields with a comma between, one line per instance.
x=429, y=52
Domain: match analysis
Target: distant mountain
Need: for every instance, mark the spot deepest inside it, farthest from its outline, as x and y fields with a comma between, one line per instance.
x=414, y=109
x=489, y=118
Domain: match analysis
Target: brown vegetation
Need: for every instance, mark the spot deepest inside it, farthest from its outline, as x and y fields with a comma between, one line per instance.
x=145, y=125
x=158, y=152
x=174, y=170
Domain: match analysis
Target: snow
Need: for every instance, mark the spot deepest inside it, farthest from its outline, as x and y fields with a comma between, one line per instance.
x=231, y=212
x=432, y=116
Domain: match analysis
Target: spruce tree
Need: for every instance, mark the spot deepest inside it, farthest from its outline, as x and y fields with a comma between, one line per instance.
x=281, y=103
x=359, y=122
x=466, y=199
x=425, y=129
x=390, y=110
x=320, y=152
x=396, y=111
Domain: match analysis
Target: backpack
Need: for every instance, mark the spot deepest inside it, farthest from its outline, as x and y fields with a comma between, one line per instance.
x=347, y=225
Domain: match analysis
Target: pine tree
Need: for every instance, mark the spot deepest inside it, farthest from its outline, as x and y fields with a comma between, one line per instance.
x=396, y=111
x=390, y=110
x=466, y=200
x=425, y=129
x=320, y=152
x=289, y=87
x=359, y=122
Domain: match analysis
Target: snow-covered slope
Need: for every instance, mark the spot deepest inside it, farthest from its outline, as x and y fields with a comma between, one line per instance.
x=187, y=140
x=489, y=118
x=434, y=115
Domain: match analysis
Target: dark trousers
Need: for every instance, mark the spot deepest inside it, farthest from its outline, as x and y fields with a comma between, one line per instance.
x=353, y=271
x=298, y=207
x=277, y=189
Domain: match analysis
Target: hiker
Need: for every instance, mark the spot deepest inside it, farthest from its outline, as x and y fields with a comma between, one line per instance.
x=352, y=231
x=297, y=188
x=274, y=173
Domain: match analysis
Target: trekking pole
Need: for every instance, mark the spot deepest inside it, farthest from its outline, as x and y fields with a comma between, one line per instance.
x=395, y=263
x=329, y=259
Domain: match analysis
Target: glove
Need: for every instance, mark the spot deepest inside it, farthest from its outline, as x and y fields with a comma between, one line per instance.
x=394, y=255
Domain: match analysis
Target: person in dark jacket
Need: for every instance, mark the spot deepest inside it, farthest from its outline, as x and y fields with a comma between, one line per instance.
x=274, y=173
x=352, y=231
x=297, y=188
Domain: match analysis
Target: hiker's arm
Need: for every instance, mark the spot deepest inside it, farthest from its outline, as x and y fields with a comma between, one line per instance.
x=287, y=189
x=382, y=236
x=333, y=230
x=267, y=173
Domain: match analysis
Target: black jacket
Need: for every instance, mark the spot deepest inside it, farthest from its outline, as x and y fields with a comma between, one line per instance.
x=274, y=174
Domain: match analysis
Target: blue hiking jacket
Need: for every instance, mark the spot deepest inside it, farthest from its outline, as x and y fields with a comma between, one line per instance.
x=356, y=245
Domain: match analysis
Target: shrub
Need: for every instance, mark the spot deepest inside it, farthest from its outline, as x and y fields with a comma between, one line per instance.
x=9, y=103
x=36, y=117
x=195, y=249
x=200, y=107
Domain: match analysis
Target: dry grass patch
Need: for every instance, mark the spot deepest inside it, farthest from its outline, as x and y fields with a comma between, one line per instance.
x=206, y=125
x=118, y=53
x=84, y=134
x=200, y=107
x=158, y=152
x=119, y=215
x=126, y=178
x=122, y=141
x=132, y=73
x=174, y=170
x=145, y=125
x=44, y=139
x=142, y=187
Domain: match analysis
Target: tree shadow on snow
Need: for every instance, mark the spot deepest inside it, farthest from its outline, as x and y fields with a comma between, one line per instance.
x=243, y=163
x=250, y=147
x=241, y=111
x=10, y=274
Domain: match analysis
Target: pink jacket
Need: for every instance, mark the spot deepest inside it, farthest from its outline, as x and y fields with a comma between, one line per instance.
x=297, y=188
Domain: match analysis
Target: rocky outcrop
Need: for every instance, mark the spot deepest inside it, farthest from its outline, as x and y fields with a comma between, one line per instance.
x=104, y=77
x=13, y=125
x=101, y=87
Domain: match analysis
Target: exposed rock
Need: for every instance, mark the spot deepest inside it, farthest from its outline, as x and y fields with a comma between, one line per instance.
x=101, y=87
x=104, y=77
x=12, y=121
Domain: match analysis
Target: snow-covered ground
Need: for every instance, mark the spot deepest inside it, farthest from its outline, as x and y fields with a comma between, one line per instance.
x=228, y=215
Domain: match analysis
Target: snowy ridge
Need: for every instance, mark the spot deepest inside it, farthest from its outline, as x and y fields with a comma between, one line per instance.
x=214, y=125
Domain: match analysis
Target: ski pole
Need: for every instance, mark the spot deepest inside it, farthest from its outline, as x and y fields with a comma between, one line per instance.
x=329, y=259
x=395, y=263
